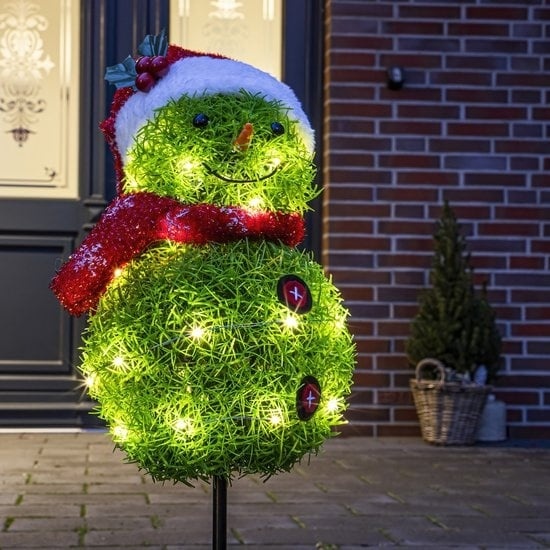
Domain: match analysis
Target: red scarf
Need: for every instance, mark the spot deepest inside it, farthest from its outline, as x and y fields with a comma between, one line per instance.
x=133, y=222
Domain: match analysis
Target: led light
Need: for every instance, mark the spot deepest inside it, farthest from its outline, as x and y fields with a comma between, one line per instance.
x=90, y=380
x=332, y=404
x=197, y=333
x=290, y=321
x=120, y=432
x=187, y=165
x=255, y=203
x=118, y=361
x=275, y=161
x=275, y=419
x=117, y=272
x=183, y=425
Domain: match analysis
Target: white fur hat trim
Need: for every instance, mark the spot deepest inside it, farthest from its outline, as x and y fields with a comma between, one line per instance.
x=204, y=75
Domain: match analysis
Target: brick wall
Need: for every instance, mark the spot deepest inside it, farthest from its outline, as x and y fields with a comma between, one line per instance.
x=471, y=125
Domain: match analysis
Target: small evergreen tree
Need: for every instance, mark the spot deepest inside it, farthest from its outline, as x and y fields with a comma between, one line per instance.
x=453, y=323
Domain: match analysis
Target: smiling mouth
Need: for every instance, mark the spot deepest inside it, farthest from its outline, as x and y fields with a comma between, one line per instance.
x=238, y=180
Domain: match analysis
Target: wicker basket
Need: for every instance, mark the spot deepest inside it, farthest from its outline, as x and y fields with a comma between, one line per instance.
x=448, y=412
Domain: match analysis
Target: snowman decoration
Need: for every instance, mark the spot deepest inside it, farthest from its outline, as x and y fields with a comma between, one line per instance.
x=214, y=346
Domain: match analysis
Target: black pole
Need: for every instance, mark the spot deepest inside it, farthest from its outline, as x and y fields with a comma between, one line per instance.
x=219, y=513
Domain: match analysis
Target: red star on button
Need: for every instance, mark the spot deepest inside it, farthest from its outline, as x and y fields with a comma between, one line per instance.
x=294, y=293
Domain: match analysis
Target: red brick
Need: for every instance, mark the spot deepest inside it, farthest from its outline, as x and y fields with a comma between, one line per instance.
x=360, y=42
x=436, y=178
x=529, y=432
x=356, y=109
x=478, y=62
x=360, y=9
x=538, y=415
x=523, y=213
x=499, y=13
x=436, y=112
x=391, y=361
x=478, y=129
x=406, y=194
x=422, y=44
x=346, y=58
x=459, y=145
x=479, y=45
x=494, y=178
x=414, y=128
x=528, y=146
x=401, y=26
x=527, y=262
x=373, y=414
x=511, y=397
x=394, y=397
x=538, y=313
x=398, y=430
x=531, y=363
x=405, y=415
x=353, y=25
x=511, y=228
x=479, y=29
x=436, y=11
x=408, y=161
x=371, y=379
x=393, y=328
x=428, y=61
x=524, y=163
x=498, y=113
x=370, y=346
x=346, y=90
x=472, y=95
x=356, y=429
x=414, y=244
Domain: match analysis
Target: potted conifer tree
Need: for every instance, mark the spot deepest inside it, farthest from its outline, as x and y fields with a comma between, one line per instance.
x=454, y=343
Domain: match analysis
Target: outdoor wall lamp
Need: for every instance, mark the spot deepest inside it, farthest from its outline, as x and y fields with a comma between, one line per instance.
x=396, y=78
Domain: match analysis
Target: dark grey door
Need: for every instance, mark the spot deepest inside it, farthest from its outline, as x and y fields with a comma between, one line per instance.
x=39, y=342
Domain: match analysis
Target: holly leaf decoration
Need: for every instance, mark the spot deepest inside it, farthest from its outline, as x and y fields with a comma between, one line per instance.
x=122, y=74
x=154, y=44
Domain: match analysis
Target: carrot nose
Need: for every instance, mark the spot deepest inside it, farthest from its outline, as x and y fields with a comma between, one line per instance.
x=242, y=141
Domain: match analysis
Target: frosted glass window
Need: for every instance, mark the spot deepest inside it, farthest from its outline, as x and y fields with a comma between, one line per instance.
x=246, y=30
x=39, y=98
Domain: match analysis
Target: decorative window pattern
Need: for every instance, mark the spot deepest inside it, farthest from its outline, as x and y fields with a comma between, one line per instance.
x=38, y=98
x=246, y=30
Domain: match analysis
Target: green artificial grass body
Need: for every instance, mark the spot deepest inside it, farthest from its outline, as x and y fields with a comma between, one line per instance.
x=196, y=369
x=173, y=157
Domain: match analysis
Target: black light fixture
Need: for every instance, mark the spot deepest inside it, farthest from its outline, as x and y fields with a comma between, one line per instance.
x=396, y=78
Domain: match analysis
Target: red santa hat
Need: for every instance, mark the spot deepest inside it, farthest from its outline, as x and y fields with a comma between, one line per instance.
x=192, y=73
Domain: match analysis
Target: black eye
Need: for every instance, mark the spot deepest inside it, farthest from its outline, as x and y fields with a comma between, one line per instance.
x=277, y=128
x=200, y=120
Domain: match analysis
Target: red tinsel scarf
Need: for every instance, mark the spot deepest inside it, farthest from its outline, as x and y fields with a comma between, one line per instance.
x=133, y=222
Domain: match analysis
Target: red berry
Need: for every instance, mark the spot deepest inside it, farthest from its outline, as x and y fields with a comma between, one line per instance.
x=143, y=64
x=145, y=81
x=159, y=66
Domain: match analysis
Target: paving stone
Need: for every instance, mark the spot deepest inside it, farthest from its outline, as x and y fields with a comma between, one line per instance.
x=62, y=490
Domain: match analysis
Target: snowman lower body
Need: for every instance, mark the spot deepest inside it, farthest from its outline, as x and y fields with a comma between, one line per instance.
x=219, y=359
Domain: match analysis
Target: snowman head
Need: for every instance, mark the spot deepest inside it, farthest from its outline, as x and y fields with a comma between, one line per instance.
x=207, y=129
